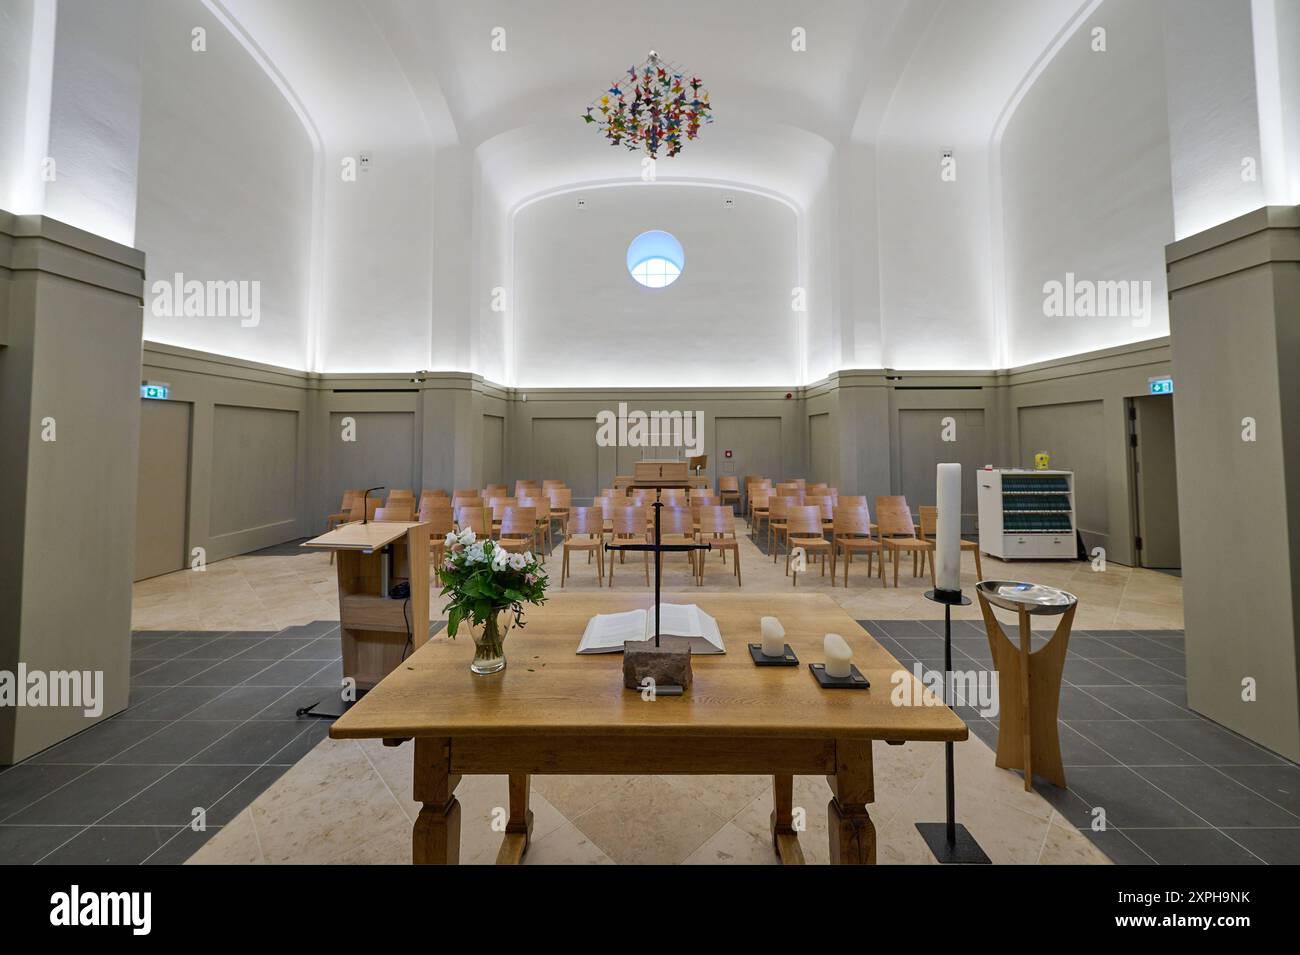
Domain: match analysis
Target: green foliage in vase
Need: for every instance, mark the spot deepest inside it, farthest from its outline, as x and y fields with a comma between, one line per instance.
x=481, y=578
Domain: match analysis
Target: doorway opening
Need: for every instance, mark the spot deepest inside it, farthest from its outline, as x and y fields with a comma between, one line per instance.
x=1154, y=482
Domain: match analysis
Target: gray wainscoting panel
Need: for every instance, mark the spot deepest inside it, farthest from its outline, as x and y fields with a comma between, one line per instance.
x=162, y=494
x=494, y=449
x=755, y=444
x=382, y=454
x=254, y=469
x=1074, y=435
x=565, y=449
x=921, y=446
x=823, y=450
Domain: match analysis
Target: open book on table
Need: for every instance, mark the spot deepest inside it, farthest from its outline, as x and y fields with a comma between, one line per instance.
x=607, y=632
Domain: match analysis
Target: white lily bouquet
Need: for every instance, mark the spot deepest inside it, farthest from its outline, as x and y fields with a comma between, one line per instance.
x=484, y=581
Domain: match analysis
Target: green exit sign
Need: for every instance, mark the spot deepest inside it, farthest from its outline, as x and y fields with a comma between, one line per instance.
x=1161, y=386
x=155, y=390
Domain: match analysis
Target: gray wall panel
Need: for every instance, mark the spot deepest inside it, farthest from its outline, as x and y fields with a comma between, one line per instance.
x=494, y=449
x=254, y=469
x=162, y=492
x=1074, y=435
x=921, y=447
x=382, y=454
x=823, y=452
x=755, y=444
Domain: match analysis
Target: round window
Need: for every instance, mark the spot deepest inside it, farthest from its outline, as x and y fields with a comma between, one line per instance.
x=655, y=259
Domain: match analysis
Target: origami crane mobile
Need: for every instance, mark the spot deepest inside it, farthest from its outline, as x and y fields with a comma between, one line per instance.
x=663, y=111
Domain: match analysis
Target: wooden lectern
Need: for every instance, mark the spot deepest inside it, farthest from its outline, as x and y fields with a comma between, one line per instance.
x=375, y=628
x=661, y=474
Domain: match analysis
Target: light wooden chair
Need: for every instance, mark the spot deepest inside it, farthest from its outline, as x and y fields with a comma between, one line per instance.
x=677, y=526
x=401, y=496
x=394, y=513
x=759, y=510
x=754, y=487
x=718, y=527
x=628, y=525
x=343, y=514
x=461, y=502
x=622, y=482
x=777, y=508
x=897, y=532
x=816, y=490
x=585, y=530
x=465, y=492
x=498, y=506
x=606, y=506
x=372, y=504
x=476, y=518
x=729, y=490
x=548, y=483
x=929, y=532
x=804, y=529
x=438, y=517
x=827, y=505
x=494, y=490
x=673, y=497
x=518, y=528
x=527, y=489
x=789, y=489
x=542, y=505
x=432, y=495
x=851, y=534
x=561, y=499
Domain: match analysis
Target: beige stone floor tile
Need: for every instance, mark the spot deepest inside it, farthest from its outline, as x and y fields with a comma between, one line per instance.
x=234, y=844
x=811, y=797
x=316, y=830
x=724, y=796
x=574, y=795
x=731, y=845
x=899, y=842
x=1066, y=845
x=566, y=845
x=391, y=848
x=649, y=823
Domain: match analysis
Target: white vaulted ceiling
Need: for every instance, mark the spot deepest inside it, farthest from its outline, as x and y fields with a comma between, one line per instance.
x=901, y=272
x=392, y=71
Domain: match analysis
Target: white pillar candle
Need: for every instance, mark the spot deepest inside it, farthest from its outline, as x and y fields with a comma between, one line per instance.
x=839, y=658
x=947, y=548
x=773, y=637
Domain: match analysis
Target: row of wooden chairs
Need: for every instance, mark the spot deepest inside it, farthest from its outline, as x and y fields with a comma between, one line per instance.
x=589, y=527
x=550, y=501
x=852, y=532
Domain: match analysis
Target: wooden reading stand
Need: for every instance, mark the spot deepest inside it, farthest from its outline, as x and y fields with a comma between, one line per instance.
x=661, y=474
x=374, y=627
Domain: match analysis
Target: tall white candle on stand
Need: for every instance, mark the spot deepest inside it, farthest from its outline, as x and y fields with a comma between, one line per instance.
x=947, y=548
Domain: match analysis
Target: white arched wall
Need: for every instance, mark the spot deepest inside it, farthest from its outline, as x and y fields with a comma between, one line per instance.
x=1085, y=186
x=579, y=319
x=226, y=187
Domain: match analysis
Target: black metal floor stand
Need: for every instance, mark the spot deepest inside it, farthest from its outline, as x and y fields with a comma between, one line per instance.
x=951, y=842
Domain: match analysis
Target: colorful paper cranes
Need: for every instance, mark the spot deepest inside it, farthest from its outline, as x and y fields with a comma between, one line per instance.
x=653, y=107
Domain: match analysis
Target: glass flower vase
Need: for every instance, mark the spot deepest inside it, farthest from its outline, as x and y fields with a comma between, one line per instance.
x=489, y=645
